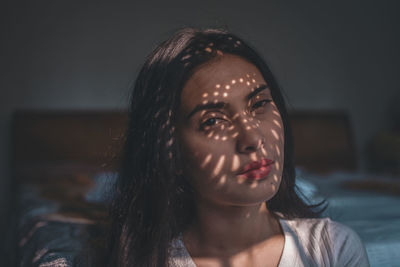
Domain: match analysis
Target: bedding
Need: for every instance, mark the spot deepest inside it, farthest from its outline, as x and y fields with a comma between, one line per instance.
x=55, y=225
x=373, y=212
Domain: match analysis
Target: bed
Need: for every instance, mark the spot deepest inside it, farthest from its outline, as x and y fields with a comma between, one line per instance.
x=64, y=161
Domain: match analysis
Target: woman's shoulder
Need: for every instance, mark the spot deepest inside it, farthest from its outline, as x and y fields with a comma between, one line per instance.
x=325, y=239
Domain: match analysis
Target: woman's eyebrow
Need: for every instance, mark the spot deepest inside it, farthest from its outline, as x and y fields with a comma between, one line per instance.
x=207, y=106
x=216, y=105
x=256, y=90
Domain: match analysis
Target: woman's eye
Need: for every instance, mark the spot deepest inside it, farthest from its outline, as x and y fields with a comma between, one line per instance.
x=261, y=103
x=210, y=122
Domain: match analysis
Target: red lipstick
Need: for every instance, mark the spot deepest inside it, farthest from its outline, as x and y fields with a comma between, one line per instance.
x=257, y=170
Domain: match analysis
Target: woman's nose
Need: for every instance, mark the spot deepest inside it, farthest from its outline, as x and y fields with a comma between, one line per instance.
x=250, y=137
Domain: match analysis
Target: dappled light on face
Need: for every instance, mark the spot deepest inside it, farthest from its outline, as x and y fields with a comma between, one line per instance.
x=235, y=163
x=237, y=127
x=206, y=161
x=276, y=122
x=264, y=152
x=253, y=156
x=273, y=187
x=277, y=165
x=222, y=180
x=275, y=134
x=278, y=150
x=219, y=166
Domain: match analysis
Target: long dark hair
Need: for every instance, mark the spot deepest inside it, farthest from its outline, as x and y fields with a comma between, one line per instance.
x=152, y=202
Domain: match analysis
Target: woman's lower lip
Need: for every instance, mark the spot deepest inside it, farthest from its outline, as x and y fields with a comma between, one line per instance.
x=257, y=174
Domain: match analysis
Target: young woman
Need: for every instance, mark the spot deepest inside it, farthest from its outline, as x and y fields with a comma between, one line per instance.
x=207, y=177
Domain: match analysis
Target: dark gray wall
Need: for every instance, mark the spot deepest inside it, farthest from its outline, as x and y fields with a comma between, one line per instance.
x=72, y=54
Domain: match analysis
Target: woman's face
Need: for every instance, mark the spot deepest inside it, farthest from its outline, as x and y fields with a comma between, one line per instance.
x=230, y=134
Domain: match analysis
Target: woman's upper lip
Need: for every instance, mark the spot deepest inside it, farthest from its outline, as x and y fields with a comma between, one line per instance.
x=256, y=165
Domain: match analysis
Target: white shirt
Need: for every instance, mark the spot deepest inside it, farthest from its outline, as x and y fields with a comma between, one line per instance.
x=308, y=242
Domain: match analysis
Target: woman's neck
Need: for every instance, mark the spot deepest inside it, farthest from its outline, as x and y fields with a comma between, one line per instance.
x=227, y=230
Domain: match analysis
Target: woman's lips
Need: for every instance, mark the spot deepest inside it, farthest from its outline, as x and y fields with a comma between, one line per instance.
x=257, y=169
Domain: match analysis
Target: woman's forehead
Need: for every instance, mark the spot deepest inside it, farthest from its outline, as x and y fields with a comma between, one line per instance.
x=228, y=76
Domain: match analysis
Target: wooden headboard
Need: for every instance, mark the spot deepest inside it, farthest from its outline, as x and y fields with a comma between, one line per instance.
x=66, y=141
x=91, y=139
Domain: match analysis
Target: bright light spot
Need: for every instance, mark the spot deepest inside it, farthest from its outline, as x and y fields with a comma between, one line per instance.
x=276, y=112
x=248, y=127
x=216, y=137
x=225, y=94
x=218, y=86
x=208, y=49
x=205, y=102
x=253, y=156
x=224, y=138
x=222, y=180
x=244, y=120
x=205, y=94
x=253, y=80
x=235, y=163
x=263, y=151
x=206, y=161
x=235, y=134
x=219, y=165
x=277, y=165
x=248, y=83
x=233, y=81
x=210, y=134
x=278, y=151
x=216, y=93
x=248, y=75
x=276, y=122
x=275, y=134
x=241, y=80
x=227, y=87
x=241, y=180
